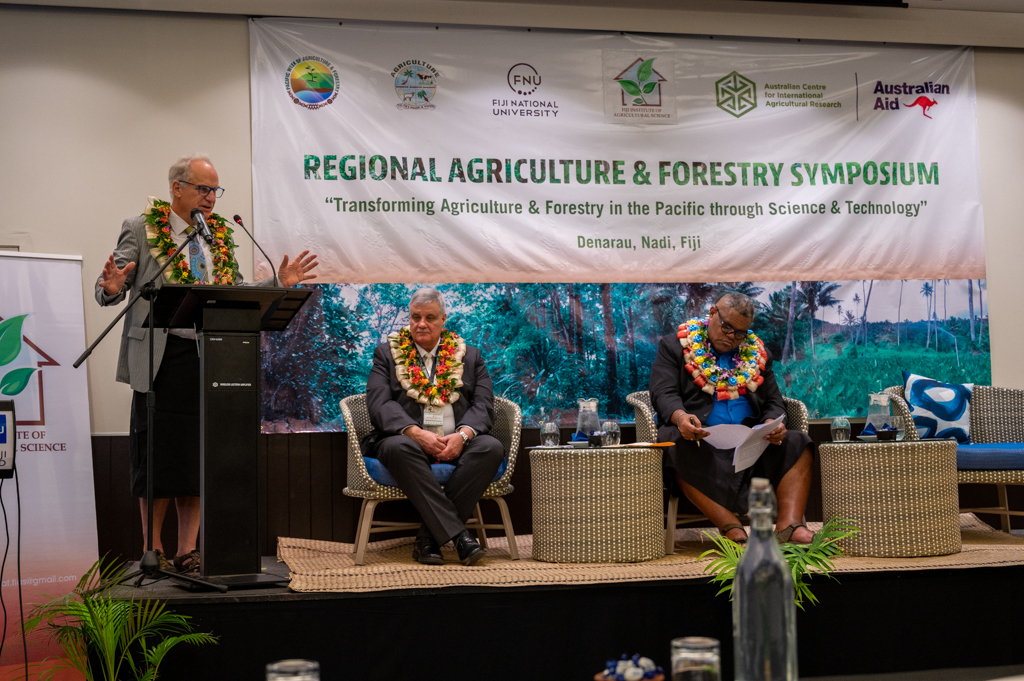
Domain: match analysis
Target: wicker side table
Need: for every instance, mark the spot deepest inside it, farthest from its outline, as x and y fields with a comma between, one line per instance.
x=903, y=494
x=597, y=505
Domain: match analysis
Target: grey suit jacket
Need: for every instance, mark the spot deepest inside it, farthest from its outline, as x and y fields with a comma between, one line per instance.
x=392, y=410
x=133, y=358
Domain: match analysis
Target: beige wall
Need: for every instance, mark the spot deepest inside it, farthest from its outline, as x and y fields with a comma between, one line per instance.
x=94, y=106
x=1000, y=76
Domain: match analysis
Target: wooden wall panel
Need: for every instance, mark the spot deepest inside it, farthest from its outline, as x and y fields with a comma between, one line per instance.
x=302, y=478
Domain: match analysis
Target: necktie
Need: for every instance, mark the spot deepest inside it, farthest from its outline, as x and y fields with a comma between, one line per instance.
x=196, y=259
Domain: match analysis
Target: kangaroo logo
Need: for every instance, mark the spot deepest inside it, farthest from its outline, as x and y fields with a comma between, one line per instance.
x=924, y=103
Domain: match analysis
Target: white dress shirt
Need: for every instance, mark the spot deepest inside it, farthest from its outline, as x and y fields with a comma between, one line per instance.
x=178, y=236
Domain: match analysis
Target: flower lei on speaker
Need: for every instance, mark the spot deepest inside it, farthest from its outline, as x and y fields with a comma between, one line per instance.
x=448, y=374
x=702, y=363
x=162, y=246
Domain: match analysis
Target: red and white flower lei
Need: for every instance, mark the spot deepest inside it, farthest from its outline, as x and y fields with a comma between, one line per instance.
x=448, y=374
x=702, y=362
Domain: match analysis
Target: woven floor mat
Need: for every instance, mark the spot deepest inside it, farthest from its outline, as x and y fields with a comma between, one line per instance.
x=328, y=566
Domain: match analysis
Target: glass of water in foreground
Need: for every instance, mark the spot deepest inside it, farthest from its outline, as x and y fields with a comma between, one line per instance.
x=293, y=670
x=549, y=434
x=695, y=658
x=840, y=429
x=612, y=436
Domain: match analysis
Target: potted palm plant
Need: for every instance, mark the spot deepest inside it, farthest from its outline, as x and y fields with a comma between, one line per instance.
x=107, y=638
x=804, y=560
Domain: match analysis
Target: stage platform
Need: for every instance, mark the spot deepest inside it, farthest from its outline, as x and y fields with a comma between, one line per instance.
x=897, y=616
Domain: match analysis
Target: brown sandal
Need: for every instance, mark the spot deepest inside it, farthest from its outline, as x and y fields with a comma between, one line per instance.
x=785, y=534
x=734, y=526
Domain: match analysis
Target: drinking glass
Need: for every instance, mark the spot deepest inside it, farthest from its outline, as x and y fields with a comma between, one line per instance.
x=840, y=429
x=695, y=658
x=293, y=670
x=612, y=435
x=900, y=424
x=550, y=436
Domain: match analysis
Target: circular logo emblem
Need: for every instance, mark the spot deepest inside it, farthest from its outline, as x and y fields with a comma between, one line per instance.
x=523, y=79
x=312, y=82
x=415, y=85
x=215, y=384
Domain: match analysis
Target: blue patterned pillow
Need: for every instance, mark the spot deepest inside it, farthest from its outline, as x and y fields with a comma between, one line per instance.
x=939, y=409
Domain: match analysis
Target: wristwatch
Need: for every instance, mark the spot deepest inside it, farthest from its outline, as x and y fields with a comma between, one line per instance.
x=465, y=438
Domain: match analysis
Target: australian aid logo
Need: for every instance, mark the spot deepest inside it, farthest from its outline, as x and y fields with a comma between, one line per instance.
x=895, y=97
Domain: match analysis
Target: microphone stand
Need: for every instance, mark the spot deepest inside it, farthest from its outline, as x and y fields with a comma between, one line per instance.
x=149, y=566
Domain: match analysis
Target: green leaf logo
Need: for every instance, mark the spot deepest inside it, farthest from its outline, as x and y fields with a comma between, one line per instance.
x=649, y=87
x=630, y=87
x=638, y=100
x=15, y=381
x=644, y=72
x=10, y=339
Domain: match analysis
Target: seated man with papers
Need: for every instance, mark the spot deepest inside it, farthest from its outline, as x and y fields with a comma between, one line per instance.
x=714, y=371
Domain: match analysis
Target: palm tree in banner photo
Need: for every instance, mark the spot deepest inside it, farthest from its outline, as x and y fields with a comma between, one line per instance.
x=970, y=304
x=927, y=291
x=408, y=74
x=825, y=298
x=789, y=323
x=899, y=308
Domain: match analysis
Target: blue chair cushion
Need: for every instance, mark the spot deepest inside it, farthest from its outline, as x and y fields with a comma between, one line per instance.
x=442, y=471
x=939, y=409
x=998, y=456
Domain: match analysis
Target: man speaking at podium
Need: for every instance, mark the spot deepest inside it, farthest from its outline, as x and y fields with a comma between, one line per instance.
x=145, y=243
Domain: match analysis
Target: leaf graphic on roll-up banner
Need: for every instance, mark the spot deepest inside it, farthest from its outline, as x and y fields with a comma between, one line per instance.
x=630, y=87
x=649, y=87
x=644, y=72
x=15, y=381
x=10, y=338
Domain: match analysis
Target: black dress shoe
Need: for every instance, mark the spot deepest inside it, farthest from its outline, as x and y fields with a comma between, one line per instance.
x=426, y=551
x=468, y=548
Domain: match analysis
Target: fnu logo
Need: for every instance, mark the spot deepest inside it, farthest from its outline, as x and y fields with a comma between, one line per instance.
x=887, y=95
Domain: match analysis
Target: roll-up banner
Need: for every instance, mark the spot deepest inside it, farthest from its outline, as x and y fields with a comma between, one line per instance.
x=42, y=332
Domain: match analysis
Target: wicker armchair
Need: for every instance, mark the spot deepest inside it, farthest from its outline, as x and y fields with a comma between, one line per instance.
x=997, y=415
x=646, y=431
x=508, y=421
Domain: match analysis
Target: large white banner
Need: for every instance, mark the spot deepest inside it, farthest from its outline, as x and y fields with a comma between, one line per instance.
x=416, y=153
x=42, y=332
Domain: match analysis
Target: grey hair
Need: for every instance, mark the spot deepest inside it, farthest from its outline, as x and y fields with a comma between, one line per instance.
x=738, y=303
x=181, y=171
x=428, y=295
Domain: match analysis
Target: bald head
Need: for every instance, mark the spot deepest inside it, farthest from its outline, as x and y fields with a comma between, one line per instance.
x=738, y=303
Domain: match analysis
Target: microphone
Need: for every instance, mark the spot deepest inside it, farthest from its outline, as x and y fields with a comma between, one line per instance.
x=201, y=226
x=238, y=221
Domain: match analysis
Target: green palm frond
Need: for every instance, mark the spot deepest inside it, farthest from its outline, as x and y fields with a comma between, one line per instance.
x=804, y=560
x=108, y=638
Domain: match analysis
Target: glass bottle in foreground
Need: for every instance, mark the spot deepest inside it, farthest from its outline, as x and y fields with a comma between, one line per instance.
x=764, y=606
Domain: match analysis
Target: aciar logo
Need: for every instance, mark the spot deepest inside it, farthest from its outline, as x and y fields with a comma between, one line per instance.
x=736, y=94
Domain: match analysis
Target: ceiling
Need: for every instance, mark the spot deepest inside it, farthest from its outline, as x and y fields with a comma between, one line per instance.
x=991, y=23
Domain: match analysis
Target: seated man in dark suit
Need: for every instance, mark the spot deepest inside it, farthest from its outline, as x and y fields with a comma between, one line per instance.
x=715, y=371
x=431, y=400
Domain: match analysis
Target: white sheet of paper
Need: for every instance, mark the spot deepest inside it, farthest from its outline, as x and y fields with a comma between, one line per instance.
x=750, y=450
x=726, y=436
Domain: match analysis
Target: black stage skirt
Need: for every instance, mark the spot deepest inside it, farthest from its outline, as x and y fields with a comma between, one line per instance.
x=710, y=470
x=176, y=425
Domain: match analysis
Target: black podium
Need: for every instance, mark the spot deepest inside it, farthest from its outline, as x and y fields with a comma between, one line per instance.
x=228, y=321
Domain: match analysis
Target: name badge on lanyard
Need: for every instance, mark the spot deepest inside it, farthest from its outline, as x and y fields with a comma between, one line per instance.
x=433, y=416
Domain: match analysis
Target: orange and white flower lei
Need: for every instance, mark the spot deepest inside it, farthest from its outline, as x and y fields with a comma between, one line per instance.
x=448, y=374
x=702, y=363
